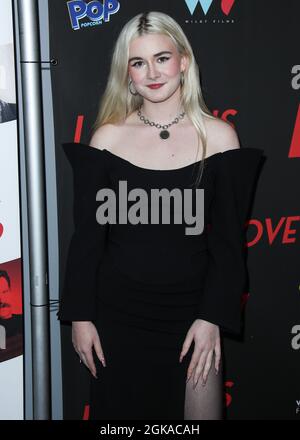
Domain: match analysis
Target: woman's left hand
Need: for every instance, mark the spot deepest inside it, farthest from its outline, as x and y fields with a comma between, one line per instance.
x=207, y=341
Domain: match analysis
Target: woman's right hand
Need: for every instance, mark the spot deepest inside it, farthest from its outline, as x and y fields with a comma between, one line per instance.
x=84, y=337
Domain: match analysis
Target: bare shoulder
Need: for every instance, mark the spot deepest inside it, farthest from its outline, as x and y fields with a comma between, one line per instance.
x=221, y=136
x=104, y=136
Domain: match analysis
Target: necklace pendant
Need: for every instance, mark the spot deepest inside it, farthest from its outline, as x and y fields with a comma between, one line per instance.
x=164, y=134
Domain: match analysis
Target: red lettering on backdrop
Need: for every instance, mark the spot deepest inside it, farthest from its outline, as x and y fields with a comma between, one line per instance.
x=228, y=384
x=273, y=233
x=283, y=225
x=270, y=230
x=288, y=231
x=78, y=129
x=295, y=144
x=1, y=229
x=259, y=233
x=86, y=412
x=225, y=114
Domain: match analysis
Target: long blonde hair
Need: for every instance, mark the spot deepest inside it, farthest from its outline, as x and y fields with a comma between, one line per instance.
x=117, y=102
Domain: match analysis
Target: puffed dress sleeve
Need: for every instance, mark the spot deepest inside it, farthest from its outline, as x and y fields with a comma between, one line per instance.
x=236, y=173
x=87, y=245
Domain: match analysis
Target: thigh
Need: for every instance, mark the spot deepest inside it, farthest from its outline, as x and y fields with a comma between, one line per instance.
x=205, y=402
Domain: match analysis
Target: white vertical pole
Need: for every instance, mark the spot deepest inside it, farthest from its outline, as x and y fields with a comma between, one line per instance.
x=28, y=19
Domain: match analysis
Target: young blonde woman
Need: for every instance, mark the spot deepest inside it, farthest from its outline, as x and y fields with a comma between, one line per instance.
x=149, y=302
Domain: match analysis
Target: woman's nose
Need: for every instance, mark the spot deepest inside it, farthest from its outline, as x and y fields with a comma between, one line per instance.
x=152, y=71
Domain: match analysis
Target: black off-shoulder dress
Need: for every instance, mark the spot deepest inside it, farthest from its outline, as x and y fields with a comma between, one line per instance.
x=143, y=285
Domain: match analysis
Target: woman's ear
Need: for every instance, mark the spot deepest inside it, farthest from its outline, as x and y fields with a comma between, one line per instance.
x=184, y=63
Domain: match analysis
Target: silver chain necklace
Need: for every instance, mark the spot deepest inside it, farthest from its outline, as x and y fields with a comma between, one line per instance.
x=164, y=134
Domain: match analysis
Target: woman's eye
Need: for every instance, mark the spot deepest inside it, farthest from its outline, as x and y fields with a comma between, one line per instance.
x=137, y=63
x=163, y=58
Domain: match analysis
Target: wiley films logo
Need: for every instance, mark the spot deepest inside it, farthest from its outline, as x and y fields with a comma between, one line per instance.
x=138, y=213
x=201, y=11
x=84, y=14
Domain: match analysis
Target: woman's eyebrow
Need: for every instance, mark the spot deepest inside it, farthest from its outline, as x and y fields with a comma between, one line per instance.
x=155, y=55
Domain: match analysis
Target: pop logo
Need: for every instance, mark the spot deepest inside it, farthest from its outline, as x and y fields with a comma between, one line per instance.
x=95, y=11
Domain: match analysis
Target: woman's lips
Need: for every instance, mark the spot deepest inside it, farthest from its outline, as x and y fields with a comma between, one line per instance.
x=155, y=86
